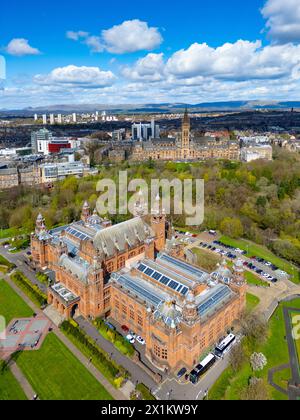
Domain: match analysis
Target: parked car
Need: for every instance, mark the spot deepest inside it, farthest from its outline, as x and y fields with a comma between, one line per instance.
x=130, y=339
x=140, y=340
x=181, y=373
x=125, y=328
x=109, y=325
x=133, y=334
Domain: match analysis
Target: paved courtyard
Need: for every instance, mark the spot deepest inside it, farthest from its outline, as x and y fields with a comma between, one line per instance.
x=24, y=334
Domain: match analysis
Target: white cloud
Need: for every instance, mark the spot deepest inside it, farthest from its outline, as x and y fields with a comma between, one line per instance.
x=75, y=36
x=94, y=43
x=130, y=36
x=283, y=20
x=243, y=60
x=149, y=68
x=20, y=47
x=77, y=77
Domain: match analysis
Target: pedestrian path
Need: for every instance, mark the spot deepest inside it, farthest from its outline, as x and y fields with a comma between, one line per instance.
x=116, y=394
x=25, y=385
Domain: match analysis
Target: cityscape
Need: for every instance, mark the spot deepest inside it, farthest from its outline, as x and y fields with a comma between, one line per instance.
x=150, y=205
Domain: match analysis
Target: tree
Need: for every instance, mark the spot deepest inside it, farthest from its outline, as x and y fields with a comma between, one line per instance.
x=237, y=357
x=254, y=328
x=258, y=361
x=256, y=391
x=232, y=227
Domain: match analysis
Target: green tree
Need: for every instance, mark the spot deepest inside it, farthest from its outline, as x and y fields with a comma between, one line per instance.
x=232, y=227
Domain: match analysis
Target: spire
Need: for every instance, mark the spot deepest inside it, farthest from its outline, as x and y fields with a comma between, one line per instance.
x=40, y=224
x=186, y=118
x=85, y=214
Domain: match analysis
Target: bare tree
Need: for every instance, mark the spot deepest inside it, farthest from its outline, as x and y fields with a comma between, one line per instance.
x=256, y=391
x=237, y=357
x=254, y=328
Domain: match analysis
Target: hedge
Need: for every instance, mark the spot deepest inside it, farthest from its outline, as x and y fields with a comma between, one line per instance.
x=115, y=338
x=146, y=393
x=6, y=263
x=114, y=373
x=32, y=291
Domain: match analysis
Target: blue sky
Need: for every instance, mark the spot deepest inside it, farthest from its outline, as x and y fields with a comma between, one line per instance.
x=139, y=52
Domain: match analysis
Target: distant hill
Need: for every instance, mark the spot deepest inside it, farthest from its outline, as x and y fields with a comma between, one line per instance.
x=156, y=108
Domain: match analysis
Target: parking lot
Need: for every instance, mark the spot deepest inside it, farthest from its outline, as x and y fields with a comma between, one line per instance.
x=258, y=266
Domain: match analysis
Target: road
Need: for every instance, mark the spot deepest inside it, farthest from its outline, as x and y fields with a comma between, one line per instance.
x=19, y=261
x=138, y=375
x=170, y=389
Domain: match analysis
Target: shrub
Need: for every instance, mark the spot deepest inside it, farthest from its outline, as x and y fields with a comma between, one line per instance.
x=6, y=263
x=115, y=338
x=113, y=372
x=29, y=289
x=145, y=392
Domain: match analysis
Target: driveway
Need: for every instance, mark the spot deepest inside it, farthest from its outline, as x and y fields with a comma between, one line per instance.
x=138, y=375
x=20, y=260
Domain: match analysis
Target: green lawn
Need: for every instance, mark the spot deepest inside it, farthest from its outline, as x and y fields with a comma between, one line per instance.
x=9, y=386
x=206, y=259
x=262, y=252
x=282, y=378
x=11, y=305
x=254, y=280
x=252, y=302
x=230, y=385
x=31, y=290
x=56, y=374
x=297, y=341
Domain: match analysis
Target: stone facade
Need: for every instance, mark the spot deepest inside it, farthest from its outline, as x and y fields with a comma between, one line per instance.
x=136, y=276
x=186, y=147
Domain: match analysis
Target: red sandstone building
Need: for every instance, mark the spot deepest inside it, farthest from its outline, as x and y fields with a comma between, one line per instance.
x=131, y=273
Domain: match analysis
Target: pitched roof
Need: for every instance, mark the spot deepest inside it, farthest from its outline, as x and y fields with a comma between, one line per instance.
x=77, y=269
x=127, y=234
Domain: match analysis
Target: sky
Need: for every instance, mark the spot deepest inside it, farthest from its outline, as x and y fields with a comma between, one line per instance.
x=120, y=52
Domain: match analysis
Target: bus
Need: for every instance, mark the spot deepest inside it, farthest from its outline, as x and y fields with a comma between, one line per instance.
x=224, y=345
x=202, y=368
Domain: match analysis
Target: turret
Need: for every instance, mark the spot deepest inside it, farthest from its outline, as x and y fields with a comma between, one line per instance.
x=238, y=273
x=190, y=313
x=158, y=224
x=186, y=129
x=239, y=284
x=86, y=212
x=40, y=225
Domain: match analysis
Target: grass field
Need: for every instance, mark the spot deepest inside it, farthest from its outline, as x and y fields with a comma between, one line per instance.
x=262, y=252
x=206, y=259
x=282, y=378
x=252, y=302
x=230, y=385
x=31, y=290
x=297, y=342
x=11, y=305
x=254, y=280
x=9, y=386
x=56, y=374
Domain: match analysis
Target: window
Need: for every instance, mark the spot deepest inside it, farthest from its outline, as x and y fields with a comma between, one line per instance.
x=110, y=267
x=132, y=314
x=203, y=343
x=121, y=263
x=157, y=351
x=140, y=320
